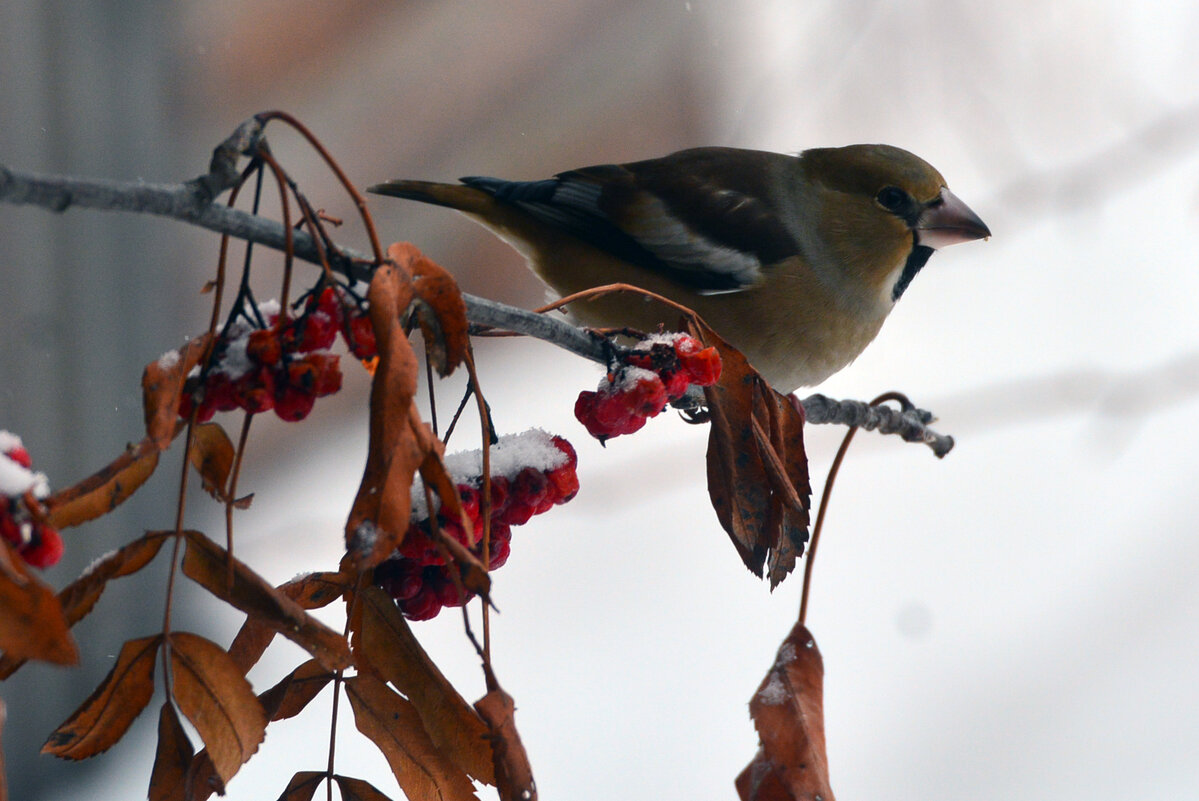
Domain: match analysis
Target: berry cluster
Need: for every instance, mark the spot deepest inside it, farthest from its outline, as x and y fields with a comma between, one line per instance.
x=530, y=473
x=261, y=363
x=37, y=543
x=655, y=372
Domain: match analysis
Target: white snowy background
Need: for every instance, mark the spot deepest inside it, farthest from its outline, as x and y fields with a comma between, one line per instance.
x=1017, y=621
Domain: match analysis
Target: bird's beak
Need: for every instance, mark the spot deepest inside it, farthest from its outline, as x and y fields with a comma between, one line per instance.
x=948, y=221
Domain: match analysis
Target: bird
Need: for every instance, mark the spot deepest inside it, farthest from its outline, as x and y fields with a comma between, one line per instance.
x=795, y=260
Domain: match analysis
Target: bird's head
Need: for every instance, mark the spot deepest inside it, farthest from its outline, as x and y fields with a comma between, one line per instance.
x=882, y=212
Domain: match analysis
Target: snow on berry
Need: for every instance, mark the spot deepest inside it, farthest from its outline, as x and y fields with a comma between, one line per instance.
x=531, y=472
x=16, y=477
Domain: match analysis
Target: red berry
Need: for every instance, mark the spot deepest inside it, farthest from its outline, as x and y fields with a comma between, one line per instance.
x=205, y=412
x=519, y=512
x=468, y=496
x=613, y=411
x=499, y=552
x=264, y=347
x=256, y=390
x=530, y=486
x=703, y=367
x=21, y=456
x=423, y=605
x=45, y=549
x=447, y=592
x=676, y=383
x=360, y=337
x=585, y=414
x=330, y=303
x=572, y=458
x=220, y=393
x=685, y=345
x=417, y=546
x=400, y=578
x=315, y=331
x=326, y=373
x=500, y=545
x=294, y=404
x=645, y=394
x=454, y=529
x=500, y=495
x=564, y=482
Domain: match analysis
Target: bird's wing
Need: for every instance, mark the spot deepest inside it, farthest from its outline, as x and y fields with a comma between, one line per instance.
x=704, y=217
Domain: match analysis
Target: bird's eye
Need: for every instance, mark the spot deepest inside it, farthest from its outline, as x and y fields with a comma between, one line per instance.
x=892, y=198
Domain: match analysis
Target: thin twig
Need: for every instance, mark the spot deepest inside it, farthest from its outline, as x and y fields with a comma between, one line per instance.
x=835, y=468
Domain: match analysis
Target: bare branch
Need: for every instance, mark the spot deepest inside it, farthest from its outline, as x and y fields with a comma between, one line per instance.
x=911, y=424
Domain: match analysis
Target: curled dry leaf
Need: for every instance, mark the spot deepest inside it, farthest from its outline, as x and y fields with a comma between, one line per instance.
x=171, y=758
x=79, y=597
x=757, y=468
x=107, y=713
x=513, y=773
x=207, y=564
x=105, y=490
x=358, y=790
x=788, y=712
x=438, y=306
x=303, y=786
x=379, y=516
x=211, y=453
x=294, y=692
x=310, y=591
x=392, y=723
x=217, y=699
x=162, y=386
x=384, y=643
x=32, y=623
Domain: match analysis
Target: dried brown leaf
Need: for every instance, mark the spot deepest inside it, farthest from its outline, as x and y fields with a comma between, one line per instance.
x=379, y=516
x=211, y=454
x=303, y=786
x=105, y=490
x=32, y=624
x=217, y=699
x=311, y=591
x=294, y=692
x=202, y=780
x=788, y=712
x=513, y=773
x=439, y=307
x=162, y=386
x=207, y=564
x=757, y=468
x=383, y=642
x=358, y=790
x=80, y=596
x=393, y=724
x=171, y=759
x=106, y=715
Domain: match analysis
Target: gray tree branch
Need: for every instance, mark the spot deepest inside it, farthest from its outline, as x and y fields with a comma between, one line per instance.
x=193, y=202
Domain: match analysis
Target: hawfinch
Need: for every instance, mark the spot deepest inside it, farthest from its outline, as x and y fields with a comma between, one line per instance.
x=795, y=260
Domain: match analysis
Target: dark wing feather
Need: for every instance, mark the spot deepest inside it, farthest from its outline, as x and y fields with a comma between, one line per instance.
x=703, y=217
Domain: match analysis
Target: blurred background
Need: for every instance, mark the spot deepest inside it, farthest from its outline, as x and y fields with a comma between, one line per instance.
x=1020, y=620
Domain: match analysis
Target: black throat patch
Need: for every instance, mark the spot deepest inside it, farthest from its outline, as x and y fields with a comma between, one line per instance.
x=916, y=260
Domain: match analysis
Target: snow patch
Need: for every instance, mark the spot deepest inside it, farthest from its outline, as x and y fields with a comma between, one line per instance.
x=775, y=692
x=514, y=452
